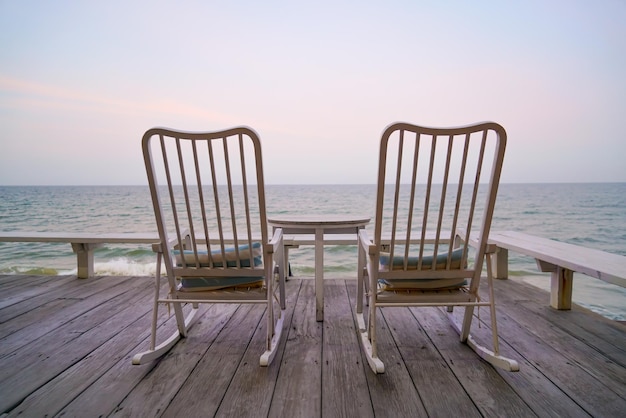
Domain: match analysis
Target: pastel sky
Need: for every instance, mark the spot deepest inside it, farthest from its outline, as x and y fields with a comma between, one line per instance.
x=80, y=81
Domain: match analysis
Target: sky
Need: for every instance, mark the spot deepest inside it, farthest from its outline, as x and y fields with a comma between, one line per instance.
x=81, y=81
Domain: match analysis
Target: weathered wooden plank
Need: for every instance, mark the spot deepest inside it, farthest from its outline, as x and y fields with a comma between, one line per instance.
x=16, y=283
x=104, y=395
x=251, y=389
x=38, y=298
x=200, y=365
x=42, y=336
x=590, y=379
x=28, y=327
x=43, y=359
x=438, y=387
x=344, y=385
x=51, y=398
x=564, y=371
x=393, y=393
x=298, y=391
x=535, y=388
x=27, y=287
x=489, y=392
x=604, y=335
x=576, y=351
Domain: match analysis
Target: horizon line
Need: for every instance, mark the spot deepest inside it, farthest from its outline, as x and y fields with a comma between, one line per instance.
x=297, y=184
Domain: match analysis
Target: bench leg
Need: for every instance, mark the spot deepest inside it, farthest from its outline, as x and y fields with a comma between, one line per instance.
x=561, y=282
x=561, y=288
x=500, y=263
x=84, y=258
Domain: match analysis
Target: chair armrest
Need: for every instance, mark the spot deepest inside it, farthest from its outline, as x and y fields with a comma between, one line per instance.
x=473, y=241
x=173, y=241
x=367, y=243
x=276, y=241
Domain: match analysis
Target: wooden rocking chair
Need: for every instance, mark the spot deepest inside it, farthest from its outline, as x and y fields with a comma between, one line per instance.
x=435, y=200
x=209, y=201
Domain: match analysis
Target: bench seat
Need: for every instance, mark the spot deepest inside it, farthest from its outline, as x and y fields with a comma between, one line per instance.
x=83, y=243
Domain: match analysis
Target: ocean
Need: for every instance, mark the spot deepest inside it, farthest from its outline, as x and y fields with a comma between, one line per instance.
x=591, y=215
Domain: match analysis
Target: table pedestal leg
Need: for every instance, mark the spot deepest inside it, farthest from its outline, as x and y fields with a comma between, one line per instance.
x=319, y=274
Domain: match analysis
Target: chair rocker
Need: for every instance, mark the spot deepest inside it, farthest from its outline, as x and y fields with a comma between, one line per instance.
x=209, y=202
x=434, y=204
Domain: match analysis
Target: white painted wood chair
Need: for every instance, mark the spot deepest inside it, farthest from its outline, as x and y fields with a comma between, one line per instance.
x=209, y=201
x=436, y=189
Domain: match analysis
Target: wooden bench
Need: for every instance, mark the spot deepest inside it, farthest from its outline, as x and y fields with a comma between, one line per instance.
x=83, y=244
x=560, y=259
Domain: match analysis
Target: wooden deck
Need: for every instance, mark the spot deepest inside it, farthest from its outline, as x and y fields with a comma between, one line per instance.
x=66, y=347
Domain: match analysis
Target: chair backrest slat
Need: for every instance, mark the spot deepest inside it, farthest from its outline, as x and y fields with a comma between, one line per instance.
x=459, y=193
x=229, y=183
x=203, y=210
x=216, y=201
x=185, y=187
x=245, y=191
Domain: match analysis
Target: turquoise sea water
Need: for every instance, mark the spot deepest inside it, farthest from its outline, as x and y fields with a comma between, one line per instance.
x=591, y=215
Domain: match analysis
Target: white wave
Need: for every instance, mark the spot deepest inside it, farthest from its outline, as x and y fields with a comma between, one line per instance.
x=125, y=267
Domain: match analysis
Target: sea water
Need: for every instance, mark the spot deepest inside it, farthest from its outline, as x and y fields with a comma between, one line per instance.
x=591, y=215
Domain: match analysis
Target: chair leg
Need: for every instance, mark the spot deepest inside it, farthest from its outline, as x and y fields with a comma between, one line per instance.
x=489, y=356
x=492, y=357
x=367, y=333
x=165, y=346
x=274, y=327
x=377, y=366
x=273, y=341
x=155, y=307
x=282, y=278
x=492, y=307
x=360, y=274
x=182, y=324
